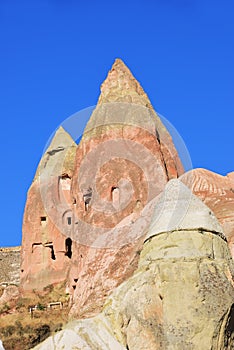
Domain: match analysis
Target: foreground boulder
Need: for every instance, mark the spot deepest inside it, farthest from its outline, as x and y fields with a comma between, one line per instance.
x=180, y=297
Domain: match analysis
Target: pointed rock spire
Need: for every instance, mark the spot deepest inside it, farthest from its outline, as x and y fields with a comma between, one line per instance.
x=121, y=86
x=61, y=139
x=59, y=157
x=178, y=209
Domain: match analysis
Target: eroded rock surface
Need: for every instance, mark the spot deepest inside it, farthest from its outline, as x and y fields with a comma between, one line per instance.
x=124, y=160
x=181, y=295
x=89, y=205
x=44, y=257
x=9, y=266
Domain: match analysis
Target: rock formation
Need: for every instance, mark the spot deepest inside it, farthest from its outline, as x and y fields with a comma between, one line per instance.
x=43, y=254
x=180, y=296
x=140, y=254
x=9, y=266
x=89, y=205
x=217, y=192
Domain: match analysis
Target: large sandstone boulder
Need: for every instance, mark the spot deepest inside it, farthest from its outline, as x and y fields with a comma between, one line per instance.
x=181, y=295
x=217, y=192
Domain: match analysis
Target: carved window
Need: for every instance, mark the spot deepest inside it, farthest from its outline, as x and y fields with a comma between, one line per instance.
x=115, y=195
x=87, y=196
x=69, y=220
x=43, y=221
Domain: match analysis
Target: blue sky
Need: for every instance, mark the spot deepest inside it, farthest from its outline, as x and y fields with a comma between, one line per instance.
x=54, y=54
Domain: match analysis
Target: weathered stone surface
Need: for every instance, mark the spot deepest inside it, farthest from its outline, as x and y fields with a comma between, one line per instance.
x=85, y=218
x=124, y=145
x=43, y=255
x=10, y=294
x=121, y=86
x=217, y=192
x=95, y=333
x=175, y=210
x=180, y=297
x=9, y=266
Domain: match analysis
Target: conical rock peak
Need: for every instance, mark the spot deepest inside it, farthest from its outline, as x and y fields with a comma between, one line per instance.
x=121, y=86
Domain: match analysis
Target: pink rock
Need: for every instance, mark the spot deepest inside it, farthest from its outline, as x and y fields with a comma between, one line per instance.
x=217, y=192
x=89, y=206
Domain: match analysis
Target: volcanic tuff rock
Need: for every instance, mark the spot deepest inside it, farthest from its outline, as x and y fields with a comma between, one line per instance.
x=9, y=265
x=217, y=192
x=43, y=254
x=181, y=295
x=86, y=213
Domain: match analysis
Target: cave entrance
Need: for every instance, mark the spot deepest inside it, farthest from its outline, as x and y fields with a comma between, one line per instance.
x=68, y=247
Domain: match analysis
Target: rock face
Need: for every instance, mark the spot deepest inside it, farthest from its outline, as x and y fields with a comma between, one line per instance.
x=109, y=219
x=180, y=296
x=217, y=192
x=90, y=204
x=43, y=254
x=9, y=266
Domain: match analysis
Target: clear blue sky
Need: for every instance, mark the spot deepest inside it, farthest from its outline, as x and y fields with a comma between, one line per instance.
x=55, y=53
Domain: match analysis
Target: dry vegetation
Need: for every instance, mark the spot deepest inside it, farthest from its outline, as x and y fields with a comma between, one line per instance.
x=20, y=330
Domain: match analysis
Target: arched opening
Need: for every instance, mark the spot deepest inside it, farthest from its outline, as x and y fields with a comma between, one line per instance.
x=115, y=195
x=87, y=196
x=69, y=220
x=68, y=247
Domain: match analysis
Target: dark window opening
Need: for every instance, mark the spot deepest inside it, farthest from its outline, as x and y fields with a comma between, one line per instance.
x=52, y=252
x=74, y=287
x=68, y=245
x=69, y=220
x=22, y=271
x=75, y=279
x=43, y=219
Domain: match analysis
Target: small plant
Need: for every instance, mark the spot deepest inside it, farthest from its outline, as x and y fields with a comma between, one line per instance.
x=41, y=307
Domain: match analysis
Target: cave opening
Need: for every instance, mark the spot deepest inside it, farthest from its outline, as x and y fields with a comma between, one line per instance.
x=68, y=247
